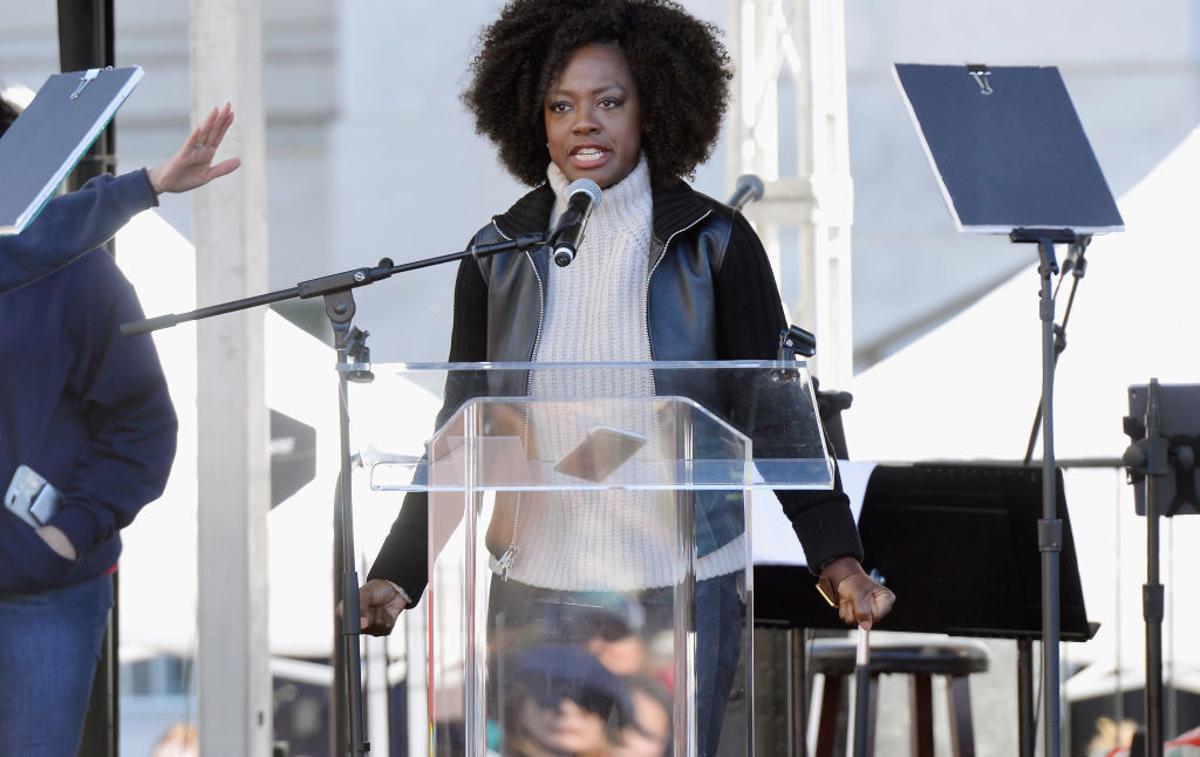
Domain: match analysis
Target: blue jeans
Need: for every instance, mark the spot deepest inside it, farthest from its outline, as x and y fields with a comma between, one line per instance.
x=49, y=647
x=720, y=616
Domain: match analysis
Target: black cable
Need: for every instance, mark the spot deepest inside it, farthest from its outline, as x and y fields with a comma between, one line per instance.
x=1076, y=265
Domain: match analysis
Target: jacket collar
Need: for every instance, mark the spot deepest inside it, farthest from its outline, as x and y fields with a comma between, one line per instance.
x=676, y=206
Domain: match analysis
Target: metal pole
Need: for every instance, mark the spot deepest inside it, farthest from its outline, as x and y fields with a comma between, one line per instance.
x=1152, y=591
x=1049, y=527
x=339, y=307
x=85, y=40
x=862, y=695
x=1026, y=732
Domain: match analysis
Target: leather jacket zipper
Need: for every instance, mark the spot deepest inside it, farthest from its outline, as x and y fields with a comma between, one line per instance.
x=503, y=564
x=646, y=298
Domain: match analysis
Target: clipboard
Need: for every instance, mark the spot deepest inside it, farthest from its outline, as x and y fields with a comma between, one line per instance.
x=50, y=136
x=1007, y=148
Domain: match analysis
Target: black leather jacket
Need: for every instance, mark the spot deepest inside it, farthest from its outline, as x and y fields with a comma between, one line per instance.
x=711, y=295
x=681, y=287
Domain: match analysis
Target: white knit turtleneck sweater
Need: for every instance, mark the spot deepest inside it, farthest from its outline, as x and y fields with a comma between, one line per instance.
x=595, y=311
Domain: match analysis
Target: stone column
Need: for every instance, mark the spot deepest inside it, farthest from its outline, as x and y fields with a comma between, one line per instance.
x=234, y=486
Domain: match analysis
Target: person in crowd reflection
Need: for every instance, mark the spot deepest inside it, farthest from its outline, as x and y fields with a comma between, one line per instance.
x=629, y=94
x=87, y=437
x=563, y=702
x=611, y=626
x=180, y=740
x=649, y=733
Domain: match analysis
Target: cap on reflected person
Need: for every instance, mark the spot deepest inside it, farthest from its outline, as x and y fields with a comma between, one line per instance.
x=609, y=615
x=554, y=672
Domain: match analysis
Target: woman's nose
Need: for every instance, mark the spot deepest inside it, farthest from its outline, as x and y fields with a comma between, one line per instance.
x=585, y=122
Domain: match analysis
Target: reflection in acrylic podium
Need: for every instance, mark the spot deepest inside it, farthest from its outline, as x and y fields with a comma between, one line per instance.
x=589, y=581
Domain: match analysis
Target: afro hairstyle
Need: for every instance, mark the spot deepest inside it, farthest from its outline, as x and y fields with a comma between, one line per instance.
x=679, y=65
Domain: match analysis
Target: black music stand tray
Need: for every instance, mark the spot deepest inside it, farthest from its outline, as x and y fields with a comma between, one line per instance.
x=957, y=542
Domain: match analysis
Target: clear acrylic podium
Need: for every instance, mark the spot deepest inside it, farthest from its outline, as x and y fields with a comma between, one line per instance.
x=590, y=585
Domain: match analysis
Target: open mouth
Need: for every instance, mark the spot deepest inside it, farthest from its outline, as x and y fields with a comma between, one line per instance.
x=590, y=157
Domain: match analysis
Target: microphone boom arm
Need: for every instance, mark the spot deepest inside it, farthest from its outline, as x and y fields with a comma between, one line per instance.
x=337, y=282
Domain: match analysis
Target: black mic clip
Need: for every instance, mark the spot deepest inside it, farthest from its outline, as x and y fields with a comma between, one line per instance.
x=796, y=341
x=793, y=341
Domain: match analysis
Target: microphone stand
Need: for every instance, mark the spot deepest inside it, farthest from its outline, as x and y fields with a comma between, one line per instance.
x=352, y=354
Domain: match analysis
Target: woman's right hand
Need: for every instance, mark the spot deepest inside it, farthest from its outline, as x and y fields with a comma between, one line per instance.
x=379, y=605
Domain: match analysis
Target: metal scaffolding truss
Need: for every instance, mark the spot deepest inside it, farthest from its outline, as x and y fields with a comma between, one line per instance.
x=789, y=126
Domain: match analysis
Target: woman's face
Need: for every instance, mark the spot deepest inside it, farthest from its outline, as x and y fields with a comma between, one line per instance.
x=564, y=728
x=593, y=117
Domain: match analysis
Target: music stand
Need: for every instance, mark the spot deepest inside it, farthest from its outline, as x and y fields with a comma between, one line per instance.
x=932, y=531
x=1011, y=157
x=956, y=541
x=1164, y=427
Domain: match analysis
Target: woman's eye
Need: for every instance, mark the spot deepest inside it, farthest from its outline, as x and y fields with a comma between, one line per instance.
x=609, y=103
x=559, y=107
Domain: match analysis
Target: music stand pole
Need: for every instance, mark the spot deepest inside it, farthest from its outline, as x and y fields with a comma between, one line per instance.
x=1157, y=466
x=1050, y=528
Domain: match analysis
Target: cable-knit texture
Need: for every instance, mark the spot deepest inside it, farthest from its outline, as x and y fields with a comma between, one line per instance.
x=595, y=311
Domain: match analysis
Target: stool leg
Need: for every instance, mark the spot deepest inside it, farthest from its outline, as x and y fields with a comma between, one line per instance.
x=920, y=702
x=962, y=734
x=831, y=695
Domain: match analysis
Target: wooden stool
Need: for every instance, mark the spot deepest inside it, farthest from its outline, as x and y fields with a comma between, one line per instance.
x=834, y=660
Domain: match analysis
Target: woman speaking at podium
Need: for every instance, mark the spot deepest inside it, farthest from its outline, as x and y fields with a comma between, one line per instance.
x=629, y=94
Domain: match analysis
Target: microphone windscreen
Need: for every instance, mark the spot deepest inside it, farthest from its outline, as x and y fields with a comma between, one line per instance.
x=749, y=188
x=588, y=187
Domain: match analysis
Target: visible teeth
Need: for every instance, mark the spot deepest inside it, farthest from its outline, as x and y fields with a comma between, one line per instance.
x=589, y=154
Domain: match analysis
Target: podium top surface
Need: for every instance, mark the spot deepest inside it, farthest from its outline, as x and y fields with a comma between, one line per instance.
x=655, y=426
x=1007, y=148
x=52, y=134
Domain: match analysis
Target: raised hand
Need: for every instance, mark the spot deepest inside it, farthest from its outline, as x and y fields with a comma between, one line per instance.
x=192, y=166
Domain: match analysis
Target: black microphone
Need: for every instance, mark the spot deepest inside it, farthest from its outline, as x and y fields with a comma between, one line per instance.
x=749, y=189
x=582, y=196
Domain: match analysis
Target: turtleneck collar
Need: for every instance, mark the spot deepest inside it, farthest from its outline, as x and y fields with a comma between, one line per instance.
x=630, y=194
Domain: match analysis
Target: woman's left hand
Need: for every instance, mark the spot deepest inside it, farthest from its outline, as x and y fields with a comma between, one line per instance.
x=192, y=166
x=860, y=599
x=57, y=541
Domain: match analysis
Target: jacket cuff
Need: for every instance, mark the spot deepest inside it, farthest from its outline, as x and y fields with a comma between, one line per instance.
x=402, y=578
x=140, y=190
x=78, y=524
x=827, y=533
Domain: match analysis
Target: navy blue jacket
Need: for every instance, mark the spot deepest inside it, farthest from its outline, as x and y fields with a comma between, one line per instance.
x=83, y=406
